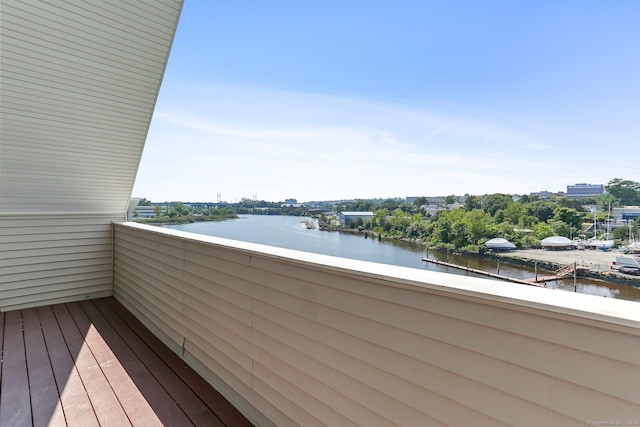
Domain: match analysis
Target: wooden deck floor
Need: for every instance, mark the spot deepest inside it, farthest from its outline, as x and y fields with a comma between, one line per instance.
x=92, y=363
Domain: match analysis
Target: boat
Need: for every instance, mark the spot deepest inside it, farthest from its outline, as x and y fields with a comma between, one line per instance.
x=633, y=248
x=499, y=244
x=601, y=244
x=557, y=243
x=308, y=224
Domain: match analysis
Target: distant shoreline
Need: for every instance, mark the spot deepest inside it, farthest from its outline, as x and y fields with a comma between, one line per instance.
x=182, y=220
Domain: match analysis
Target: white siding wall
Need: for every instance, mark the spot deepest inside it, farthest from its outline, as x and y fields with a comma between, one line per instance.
x=79, y=85
x=302, y=339
x=50, y=259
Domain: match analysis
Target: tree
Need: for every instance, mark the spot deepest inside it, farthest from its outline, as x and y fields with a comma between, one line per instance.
x=492, y=203
x=515, y=212
x=390, y=205
x=625, y=191
x=569, y=216
x=472, y=202
x=543, y=211
x=157, y=210
x=543, y=230
x=180, y=209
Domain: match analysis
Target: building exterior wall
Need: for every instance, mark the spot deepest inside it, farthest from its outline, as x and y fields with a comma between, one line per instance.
x=582, y=191
x=346, y=217
x=79, y=85
x=301, y=339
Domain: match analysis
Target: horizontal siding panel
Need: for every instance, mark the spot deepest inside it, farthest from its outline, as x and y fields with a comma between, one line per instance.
x=25, y=98
x=358, y=379
x=156, y=281
x=312, y=343
x=30, y=123
x=77, y=237
x=31, y=285
x=230, y=348
x=20, y=279
x=239, y=393
x=355, y=315
x=172, y=314
x=354, y=399
x=45, y=258
x=36, y=229
x=593, y=337
x=86, y=44
x=354, y=328
x=39, y=143
x=48, y=220
x=6, y=293
x=83, y=78
x=25, y=256
x=67, y=295
x=150, y=313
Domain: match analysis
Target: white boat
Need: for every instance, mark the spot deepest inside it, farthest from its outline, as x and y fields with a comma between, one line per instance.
x=309, y=224
x=601, y=244
x=499, y=244
x=557, y=242
x=634, y=248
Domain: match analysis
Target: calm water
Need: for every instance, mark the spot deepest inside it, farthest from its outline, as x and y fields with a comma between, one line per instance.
x=286, y=232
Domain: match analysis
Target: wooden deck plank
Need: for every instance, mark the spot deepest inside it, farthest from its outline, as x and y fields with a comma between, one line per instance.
x=185, y=398
x=73, y=396
x=84, y=364
x=226, y=412
x=135, y=406
x=103, y=399
x=45, y=399
x=15, y=403
x=161, y=402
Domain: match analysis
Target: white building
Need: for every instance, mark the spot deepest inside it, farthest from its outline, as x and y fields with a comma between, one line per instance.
x=347, y=217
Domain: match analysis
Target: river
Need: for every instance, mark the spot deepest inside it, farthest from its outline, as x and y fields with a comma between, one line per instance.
x=286, y=232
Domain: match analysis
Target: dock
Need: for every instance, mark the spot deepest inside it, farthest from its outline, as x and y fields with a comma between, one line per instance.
x=561, y=273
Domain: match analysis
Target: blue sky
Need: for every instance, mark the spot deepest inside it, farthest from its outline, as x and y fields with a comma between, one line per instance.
x=360, y=99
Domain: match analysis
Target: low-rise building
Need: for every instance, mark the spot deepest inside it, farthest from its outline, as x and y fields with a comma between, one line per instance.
x=347, y=217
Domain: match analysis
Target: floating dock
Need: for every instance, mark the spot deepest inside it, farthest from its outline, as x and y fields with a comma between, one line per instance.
x=562, y=273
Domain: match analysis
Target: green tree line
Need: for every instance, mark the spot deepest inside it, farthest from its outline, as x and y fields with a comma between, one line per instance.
x=523, y=222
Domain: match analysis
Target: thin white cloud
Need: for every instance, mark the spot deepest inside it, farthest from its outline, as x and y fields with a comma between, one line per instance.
x=321, y=147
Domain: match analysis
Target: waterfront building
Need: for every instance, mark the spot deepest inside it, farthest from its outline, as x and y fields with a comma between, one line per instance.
x=348, y=217
x=287, y=337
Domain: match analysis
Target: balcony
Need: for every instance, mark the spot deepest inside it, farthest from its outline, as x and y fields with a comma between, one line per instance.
x=294, y=338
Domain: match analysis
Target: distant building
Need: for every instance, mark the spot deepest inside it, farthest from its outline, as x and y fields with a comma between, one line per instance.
x=583, y=191
x=148, y=211
x=626, y=214
x=347, y=217
x=545, y=195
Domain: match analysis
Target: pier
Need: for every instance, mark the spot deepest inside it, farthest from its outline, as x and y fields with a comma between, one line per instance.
x=561, y=273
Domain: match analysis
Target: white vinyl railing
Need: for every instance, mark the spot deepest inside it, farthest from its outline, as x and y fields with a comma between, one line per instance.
x=294, y=338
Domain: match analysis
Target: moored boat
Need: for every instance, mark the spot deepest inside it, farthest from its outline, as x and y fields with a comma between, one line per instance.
x=499, y=244
x=557, y=243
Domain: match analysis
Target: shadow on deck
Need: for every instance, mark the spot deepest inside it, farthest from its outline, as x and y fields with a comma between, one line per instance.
x=92, y=363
